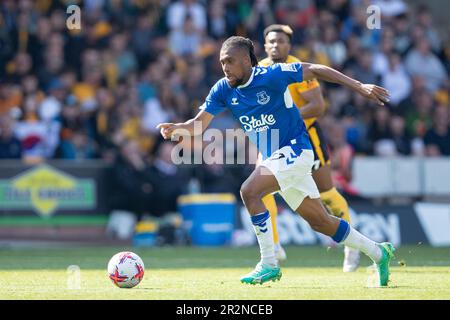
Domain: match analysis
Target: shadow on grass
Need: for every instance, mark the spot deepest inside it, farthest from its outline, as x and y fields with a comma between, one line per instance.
x=161, y=258
x=165, y=258
x=148, y=289
x=444, y=270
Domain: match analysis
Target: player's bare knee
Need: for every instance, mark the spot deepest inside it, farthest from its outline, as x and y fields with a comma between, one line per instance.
x=248, y=193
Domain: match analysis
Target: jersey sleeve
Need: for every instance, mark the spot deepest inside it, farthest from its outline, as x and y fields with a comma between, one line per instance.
x=288, y=72
x=214, y=102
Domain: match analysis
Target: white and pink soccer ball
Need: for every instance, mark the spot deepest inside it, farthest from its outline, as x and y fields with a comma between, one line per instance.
x=126, y=269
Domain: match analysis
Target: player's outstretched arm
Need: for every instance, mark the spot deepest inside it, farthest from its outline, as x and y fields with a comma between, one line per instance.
x=370, y=91
x=315, y=104
x=202, y=119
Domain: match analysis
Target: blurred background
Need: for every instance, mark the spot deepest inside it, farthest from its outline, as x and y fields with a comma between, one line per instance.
x=81, y=160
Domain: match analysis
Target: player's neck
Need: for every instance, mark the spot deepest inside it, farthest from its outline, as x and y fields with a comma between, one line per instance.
x=247, y=77
x=278, y=60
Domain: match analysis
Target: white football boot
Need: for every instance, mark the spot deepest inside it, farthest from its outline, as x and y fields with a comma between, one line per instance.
x=351, y=259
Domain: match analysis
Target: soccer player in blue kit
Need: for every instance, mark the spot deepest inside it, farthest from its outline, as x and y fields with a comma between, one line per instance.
x=259, y=98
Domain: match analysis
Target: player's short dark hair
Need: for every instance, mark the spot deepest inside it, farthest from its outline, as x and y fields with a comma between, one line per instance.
x=241, y=43
x=279, y=28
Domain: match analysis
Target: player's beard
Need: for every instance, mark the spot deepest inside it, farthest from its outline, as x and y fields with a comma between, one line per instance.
x=279, y=60
x=236, y=83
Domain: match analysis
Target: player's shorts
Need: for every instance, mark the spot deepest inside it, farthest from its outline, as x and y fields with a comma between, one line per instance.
x=293, y=173
x=319, y=145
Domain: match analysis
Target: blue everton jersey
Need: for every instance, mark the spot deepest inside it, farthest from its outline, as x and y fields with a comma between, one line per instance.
x=264, y=107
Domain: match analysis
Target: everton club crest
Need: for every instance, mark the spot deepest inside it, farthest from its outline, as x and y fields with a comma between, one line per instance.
x=263, y=98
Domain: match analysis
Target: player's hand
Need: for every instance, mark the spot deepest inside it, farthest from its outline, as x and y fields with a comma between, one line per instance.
x=375, y=93
x=166, y=129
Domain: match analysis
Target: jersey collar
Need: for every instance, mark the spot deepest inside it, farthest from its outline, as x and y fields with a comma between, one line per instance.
x=249, y=80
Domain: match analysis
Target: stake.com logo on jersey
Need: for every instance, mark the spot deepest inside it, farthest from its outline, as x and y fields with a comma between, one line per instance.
x=258, y=125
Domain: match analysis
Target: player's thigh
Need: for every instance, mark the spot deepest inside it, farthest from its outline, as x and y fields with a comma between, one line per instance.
x=260, y=182
x=322, y=177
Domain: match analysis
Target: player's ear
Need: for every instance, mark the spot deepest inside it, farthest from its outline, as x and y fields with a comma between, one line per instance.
x=247, y=60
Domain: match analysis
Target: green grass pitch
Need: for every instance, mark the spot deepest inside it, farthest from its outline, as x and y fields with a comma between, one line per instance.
x=188, y=273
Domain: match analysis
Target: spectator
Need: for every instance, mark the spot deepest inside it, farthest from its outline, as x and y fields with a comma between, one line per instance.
x=401, y=25
x=421, y=61
x=380, y=133
x=217, y=20
x=354, y=49
x=409, y=103
x=234, y=16
x=163, y=173
x=133, y=191
x=78, y=147
x=339, y=8
x=194, y=85
x=312, y=50
x=124, y=59
x=301, y=16
x=51, y=106
x=363, y=69
x=154, y=113
x=334, y=48
x=20, y=67
x=84, y=90
x=54, y=60
x=341, y=160
x=10, y=147
x=419, y=119
x=437, y=138
x=216, y=177
x=142, y=38
x=400, y=136
x=391, y=8
x=260, y=17
x=38, y=42
x=396, y=80
x=30, y=86
x=446, y=56
x=185, y=41
x=104, y=121
x=33, y=133
x=380, y=63
x=10, y=97
x=356, y=116
x=425, y=21
x=128, y=125
x=178, y=13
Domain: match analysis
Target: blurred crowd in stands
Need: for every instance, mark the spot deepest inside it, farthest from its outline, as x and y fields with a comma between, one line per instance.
x=99, y=91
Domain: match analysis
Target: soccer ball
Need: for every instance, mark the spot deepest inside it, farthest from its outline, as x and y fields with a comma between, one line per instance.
x=126, y=269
